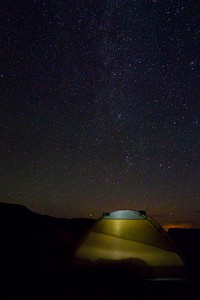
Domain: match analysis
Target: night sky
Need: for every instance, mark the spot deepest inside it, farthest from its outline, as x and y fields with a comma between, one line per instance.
x=100, y=107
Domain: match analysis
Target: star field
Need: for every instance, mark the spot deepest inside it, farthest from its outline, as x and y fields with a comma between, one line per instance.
x=100, y=107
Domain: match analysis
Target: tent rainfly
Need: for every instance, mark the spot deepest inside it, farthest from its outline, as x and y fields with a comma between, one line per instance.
x=130, y=238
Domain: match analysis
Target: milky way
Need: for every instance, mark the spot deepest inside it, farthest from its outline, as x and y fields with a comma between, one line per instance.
x=101, y=107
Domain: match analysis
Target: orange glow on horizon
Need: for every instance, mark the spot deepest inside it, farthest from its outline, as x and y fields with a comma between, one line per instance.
x=177, y=225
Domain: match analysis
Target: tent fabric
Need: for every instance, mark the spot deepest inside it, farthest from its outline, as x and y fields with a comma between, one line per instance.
x=130, y=237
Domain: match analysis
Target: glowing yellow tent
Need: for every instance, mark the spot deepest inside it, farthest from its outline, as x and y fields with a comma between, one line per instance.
x=131, y=238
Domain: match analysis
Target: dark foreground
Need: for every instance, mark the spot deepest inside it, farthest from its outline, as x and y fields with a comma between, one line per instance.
x=35, y=261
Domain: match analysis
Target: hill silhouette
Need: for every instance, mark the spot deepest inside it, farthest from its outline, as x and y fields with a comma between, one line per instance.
x=35, y=253
x=35, y=249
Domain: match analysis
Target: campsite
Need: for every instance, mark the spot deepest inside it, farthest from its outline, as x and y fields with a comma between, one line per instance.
x=37, y=252
x=100, y=150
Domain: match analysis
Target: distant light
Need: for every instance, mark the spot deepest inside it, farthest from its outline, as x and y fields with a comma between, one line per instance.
x=177, y=225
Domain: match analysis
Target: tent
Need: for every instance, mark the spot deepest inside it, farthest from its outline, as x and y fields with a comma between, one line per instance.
x=132, y=240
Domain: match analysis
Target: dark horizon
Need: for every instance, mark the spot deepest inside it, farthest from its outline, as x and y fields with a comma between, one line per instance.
x=166, y=226
x=38, y=251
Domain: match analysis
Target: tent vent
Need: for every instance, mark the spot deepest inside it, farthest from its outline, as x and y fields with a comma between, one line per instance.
x=106, y=214
x=142, y=212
